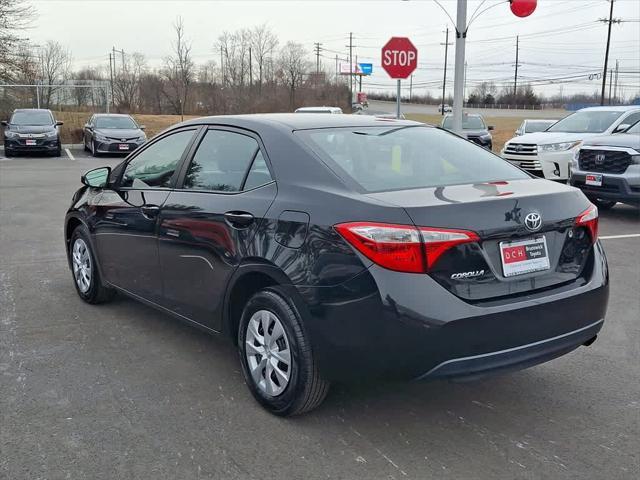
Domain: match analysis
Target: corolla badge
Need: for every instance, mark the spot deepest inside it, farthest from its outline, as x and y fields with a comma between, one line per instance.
x=533, y=221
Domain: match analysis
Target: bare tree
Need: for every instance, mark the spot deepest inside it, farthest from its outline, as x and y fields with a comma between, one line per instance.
x=55, y=65
x=15, y=15
x=263, y=44
x=293, y=67
x=126, y=82
x=179, y=70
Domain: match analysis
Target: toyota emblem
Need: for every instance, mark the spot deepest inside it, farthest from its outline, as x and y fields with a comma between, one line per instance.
x=600, y=158
x=533, y=221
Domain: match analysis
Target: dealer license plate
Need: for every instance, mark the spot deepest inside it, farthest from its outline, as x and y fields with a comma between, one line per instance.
x=123, y=146
x=524, y=256
x=30, y=141
x=593, y=180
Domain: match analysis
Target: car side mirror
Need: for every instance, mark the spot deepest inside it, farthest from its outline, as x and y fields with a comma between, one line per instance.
x=59, y=124
x=490, y=127
x=142, y=127
x=4, y=123
x=621, y=128
x=96, y=178
x=87, y=126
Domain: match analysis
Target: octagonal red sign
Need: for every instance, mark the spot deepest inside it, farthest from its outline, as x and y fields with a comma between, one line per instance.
x=399, y=57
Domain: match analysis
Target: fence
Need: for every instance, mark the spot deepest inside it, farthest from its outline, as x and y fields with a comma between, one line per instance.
x=90, y=95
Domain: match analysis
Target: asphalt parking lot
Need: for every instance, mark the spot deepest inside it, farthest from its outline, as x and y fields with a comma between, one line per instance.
x=123, y=391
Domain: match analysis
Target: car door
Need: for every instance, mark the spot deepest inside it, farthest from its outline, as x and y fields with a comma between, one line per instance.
x=125, y=224
x=207, y=224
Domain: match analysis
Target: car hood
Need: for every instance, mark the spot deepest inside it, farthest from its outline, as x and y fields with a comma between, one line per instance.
x=119, y=132
x=544, y=138
x=31, y=128
x=629, y=140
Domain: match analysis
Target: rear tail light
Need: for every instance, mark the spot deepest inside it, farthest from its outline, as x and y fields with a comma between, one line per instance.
x=589, y=220
x=402, y=248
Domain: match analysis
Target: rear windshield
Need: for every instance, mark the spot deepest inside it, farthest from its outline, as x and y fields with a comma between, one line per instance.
x=586, y=121
x=468, y=123
x=399, y=158
x=115, y=122
x=31, y=118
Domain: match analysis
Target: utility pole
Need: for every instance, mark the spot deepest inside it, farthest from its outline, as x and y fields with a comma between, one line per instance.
x=615, y=88
x=317, y=48
x=515, y=77
x=444, y=80
x=250, y=70
x=111, y=68
x=465, y=83
x=458, y=81
x=351, y=68
x=221, y=66
x=606, y=55
x=336, y=69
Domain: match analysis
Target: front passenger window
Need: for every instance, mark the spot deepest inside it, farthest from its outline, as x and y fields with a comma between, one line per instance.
x=156, y=165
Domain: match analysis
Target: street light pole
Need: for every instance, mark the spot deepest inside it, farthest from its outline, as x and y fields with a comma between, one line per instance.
x=458, y=80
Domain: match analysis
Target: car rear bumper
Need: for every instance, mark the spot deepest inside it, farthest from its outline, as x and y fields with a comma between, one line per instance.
x=385, y=324
x=622, y=188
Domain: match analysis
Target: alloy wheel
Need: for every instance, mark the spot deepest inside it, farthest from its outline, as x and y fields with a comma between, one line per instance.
x=267, y=352
x=81, y=260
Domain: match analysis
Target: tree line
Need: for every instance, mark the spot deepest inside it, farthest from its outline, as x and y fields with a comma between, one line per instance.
x=250, y=71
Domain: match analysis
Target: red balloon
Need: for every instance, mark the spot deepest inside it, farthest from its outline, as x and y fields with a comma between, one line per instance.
x=523, y=8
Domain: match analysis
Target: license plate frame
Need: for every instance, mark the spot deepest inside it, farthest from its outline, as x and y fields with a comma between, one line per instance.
x=123, y=146
x=521, y=257
x=593, y=180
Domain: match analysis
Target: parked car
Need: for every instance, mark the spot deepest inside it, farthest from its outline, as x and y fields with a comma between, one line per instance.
x=319, y=110
x=32, y=130
x=444, y=108
x=548, y=154
x=607, y=169
x=474, y=129
x=112, y=133
x=533, y=125
x=341, y=247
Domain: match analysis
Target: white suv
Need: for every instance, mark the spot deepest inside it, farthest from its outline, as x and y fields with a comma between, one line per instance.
x=549, y=154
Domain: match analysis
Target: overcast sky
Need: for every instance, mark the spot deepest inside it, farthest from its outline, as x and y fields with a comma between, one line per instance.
x=561, y=41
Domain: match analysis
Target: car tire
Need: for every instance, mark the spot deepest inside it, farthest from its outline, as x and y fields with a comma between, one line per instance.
x=58, y=152
x=84, y=145
x=84, y=269
x=303, y=389
x=94, y=150
x=8, y=153
x=603, y=204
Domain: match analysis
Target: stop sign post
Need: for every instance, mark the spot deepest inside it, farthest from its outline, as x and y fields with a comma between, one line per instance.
x=399, y=60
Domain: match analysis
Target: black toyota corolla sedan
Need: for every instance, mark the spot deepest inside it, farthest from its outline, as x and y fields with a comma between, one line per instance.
x=342, y=247
x=112, y=133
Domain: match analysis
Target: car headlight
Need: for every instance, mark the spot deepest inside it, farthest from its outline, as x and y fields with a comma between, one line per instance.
x=143, y=138
x=558, y=147
x=101, y=138
x=486, y=136
x=52, y=134
x=9, y=134
x=635, y=158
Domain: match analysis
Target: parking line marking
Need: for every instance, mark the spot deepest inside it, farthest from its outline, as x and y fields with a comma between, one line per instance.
x=69, y=154
x=630, y=235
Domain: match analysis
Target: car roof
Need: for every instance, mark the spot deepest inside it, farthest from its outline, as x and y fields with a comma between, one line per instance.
x=616, y=108
x=32, y=110
x=112, y=115
x=297, y=122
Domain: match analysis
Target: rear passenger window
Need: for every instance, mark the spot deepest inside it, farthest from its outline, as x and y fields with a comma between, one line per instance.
x=259, y=173
x=221, y=161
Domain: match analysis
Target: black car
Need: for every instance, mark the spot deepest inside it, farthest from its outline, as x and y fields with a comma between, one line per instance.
x=474, y=129
x=112, y=133
x=607, y=168
x=32, y=130
x=342, y=247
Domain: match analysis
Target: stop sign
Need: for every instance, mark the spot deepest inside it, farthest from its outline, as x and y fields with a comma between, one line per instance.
x=399, y=57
